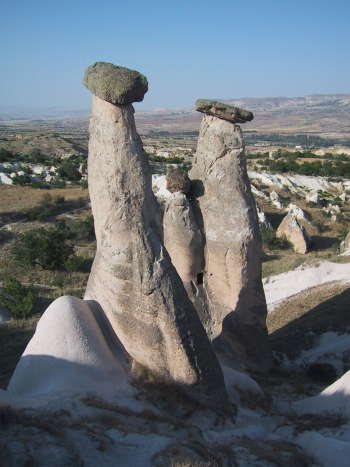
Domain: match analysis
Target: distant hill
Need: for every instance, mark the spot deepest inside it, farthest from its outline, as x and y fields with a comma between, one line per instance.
x=322, y=114
x=326, y=114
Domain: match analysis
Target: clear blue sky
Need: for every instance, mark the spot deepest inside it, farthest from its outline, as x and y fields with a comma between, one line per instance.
x=187, y=49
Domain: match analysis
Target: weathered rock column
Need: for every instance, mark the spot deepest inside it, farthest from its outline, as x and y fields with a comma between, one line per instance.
x=182, y=236
x=132, y=277
x=232, y=273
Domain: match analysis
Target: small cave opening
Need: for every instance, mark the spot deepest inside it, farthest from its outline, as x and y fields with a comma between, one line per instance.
x=200, y=278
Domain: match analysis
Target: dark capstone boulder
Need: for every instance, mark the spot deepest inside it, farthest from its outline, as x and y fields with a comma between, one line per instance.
x=115, y=84
x=225, y=111
x=177, y=180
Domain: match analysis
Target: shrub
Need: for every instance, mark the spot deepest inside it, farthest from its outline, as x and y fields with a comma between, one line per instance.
x=46, y=248
x=77, y=264
x=58, y=183
x=21, y=179
x=5, y=155
x=270, y=241
x=68, y=170
x=48, y=206
x=17, y=298
x=342, y=233
x=41, y=185
x=84, y=184
x=5, y=236
x=78, y=229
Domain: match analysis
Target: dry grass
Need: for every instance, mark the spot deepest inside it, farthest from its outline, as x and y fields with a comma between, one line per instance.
x=294, y=325
x=49, y=285
x=19, y=198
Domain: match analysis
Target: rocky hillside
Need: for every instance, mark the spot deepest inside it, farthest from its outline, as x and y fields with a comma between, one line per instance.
x=320, y=114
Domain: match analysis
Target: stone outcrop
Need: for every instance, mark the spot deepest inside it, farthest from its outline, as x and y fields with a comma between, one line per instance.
x=345, y=245
x=73, y=350
x=115, y=84
x=263, y=221
x=276, y=200
x=132, y=277
x=236, y=307
x=225, y=111
x=295, y=233
x=298, y=213
x=183, y=241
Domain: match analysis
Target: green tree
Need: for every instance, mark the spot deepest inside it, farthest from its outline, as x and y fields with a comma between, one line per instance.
x=17, y=298
x=46, y=248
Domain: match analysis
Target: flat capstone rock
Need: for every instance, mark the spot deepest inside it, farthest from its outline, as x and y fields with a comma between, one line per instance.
x=224, y=111
x=177, y=180
x=115, y=84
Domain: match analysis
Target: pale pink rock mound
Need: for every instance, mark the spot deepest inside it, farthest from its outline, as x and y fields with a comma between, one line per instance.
x=73, y=350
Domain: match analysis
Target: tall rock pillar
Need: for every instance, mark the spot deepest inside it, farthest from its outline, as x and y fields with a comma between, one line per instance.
x=132, y=277
x=232, y=273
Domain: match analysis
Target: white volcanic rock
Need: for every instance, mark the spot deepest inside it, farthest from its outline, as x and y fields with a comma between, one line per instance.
x=275, y=200
x=183, y=240
x=334, y=399
x=263, y=222
x=258, y=193
x=132, y=277
x=313, y=197
x=5, y=179
x=297, y=212
x=282, y=286
x=298, y=183
x=345, y=246
x=159, y=188
x=294, y=232
x=236, y=308
x=73, y=350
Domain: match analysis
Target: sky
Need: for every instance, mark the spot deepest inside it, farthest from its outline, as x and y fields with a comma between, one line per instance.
x=187, y=49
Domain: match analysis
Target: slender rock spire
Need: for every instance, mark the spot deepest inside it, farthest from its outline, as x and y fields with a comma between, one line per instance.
x=236, y=306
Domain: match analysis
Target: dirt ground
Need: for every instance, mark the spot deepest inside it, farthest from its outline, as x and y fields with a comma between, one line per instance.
x=19, y=198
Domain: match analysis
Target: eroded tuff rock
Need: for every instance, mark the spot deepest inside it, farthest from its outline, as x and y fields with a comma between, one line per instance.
x=177, y=181
x=225, y=111
x=72, y=351
x=236, y=307
x=115, y=84
x=132, y=277
x=345, y=245
x=293, y=231
x=183, y=241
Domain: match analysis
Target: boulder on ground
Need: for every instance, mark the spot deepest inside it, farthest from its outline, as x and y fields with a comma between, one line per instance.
x=225, y=111
x=295, y=233
x=297, y=212
x=115, y=84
